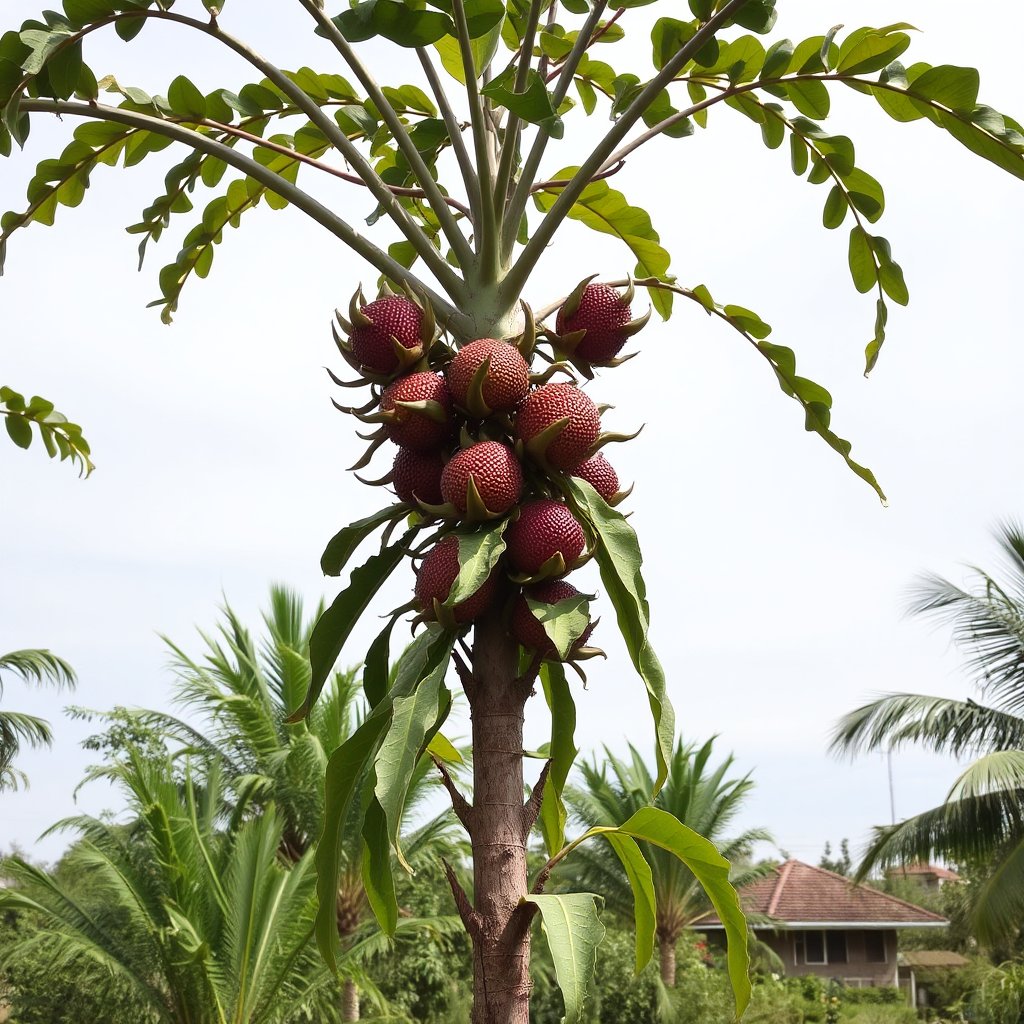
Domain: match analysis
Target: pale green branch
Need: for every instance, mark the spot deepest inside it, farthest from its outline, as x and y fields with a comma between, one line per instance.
x=398, y=131
x=296, y=196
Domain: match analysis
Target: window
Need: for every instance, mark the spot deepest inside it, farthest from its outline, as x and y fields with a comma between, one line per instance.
x=874, y=947
x=814, y=948
x=835, y=945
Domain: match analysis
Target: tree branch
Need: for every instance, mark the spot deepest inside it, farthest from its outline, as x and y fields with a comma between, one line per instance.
x=531, y=809
x=451, y=122
x=520, y=197
x=472, y=921
x=510, y=142
x=487, y=242
x=398, y=131
x=520, y=272
x=460, y=805
x=296, y=196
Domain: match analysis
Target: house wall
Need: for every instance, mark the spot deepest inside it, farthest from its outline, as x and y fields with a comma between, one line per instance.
x=855, y=971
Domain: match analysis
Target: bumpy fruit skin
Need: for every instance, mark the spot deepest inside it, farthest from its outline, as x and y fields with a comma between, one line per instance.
x=599, y=473
x=393, y=317
x=525, y=626
x=602, y=314
x=436, y=575
x=507, y=380
x=495, y=471
x=544, y=529
x=412, y=429
x=418, y=475
x=553, y=402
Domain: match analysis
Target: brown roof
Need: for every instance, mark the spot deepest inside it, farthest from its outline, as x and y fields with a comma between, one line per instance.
x=796, y=894
x=925, y=869
x=932, y=958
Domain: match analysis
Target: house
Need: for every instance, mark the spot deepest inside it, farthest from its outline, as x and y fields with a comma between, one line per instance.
x=820, y=923
x=928, y=876
x=920, y=967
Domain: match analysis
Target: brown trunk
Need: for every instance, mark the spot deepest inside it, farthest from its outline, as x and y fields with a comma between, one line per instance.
x=350, y=1001
x=667, y=954
x=499, y=827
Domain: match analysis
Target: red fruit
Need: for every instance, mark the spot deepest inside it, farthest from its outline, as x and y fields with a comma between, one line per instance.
x=393, y=317
x=418, y=475
x=411, y=428
x=494, y=469
x=546, y=406
x=438, y=572
x=602, y=314
x=526, y=627
x=544, y=529
x=598, y=472
x=506, y=382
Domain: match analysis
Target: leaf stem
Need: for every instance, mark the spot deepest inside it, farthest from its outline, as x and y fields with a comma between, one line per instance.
x=513, y=128
x=520, y=197
x=398, y=131
x=451, y=122
x=520, y=272
x=296, y=196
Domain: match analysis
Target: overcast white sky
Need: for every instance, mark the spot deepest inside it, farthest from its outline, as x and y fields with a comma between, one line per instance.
x=777, y=579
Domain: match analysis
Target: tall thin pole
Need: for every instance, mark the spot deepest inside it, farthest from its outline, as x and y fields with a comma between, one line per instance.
x=892, y=792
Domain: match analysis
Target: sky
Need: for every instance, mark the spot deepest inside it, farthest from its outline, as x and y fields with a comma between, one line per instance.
x=778, y=581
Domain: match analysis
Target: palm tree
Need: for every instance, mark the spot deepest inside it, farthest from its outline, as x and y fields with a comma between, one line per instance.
x=193, y=910
x=16, y=728
x=243, y=689
x=698, y=795
x=981, y=821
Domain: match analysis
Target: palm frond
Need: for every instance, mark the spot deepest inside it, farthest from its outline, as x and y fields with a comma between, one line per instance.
x=39, y=667
x=1002, y=770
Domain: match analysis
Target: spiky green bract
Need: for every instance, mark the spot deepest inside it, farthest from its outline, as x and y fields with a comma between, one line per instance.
x=981, y=821
x=39, y=668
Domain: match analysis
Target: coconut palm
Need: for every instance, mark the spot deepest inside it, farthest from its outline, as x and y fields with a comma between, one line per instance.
x=239, y=694
x=698, y=794
x=16, y=728
x=981, y=821
x=195, y=912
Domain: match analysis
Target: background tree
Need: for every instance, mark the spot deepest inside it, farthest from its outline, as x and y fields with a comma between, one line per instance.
x=698, y=793
x=981, y=821
x=16, y=727
x=236, y=698
x=842, y=864
x=516, y=62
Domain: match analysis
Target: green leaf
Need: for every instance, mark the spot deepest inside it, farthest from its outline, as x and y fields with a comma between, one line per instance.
x=483, y=50
x=953, y=87
x=378, y=879
x=606, y=210
x=19, y=430
x=402, y=24
x=564, y=621
x=618, y=557
x=809, y=97
x=336, y=623
x=890, y=276
x=645, y=904
x=479, y=553
x=562, y=752
x=186, y=99
x=533, y=104
x=862, y=260
x=711, y=869
x=341, y=546
x=868, y=49
x=401, y=749
x=835, y=208
x=377, y=664
x=574, y=930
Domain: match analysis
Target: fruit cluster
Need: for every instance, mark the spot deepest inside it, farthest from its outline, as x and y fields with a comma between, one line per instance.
x=484, y=441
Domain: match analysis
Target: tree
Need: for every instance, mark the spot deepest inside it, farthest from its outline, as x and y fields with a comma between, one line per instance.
x=841, y=865
x=203, y=923
x=16, y=728
x=980, y=822
x=515, y=62
x=697, y=793
x=242, y=690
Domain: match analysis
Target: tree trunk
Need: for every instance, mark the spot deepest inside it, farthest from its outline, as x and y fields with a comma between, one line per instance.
x=499, y=827
x=350, y=1001
x=667, y=955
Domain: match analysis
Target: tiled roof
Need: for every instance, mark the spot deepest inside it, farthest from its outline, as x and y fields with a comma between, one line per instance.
x=925, y=869
x=922, y=958
x=797, y=893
